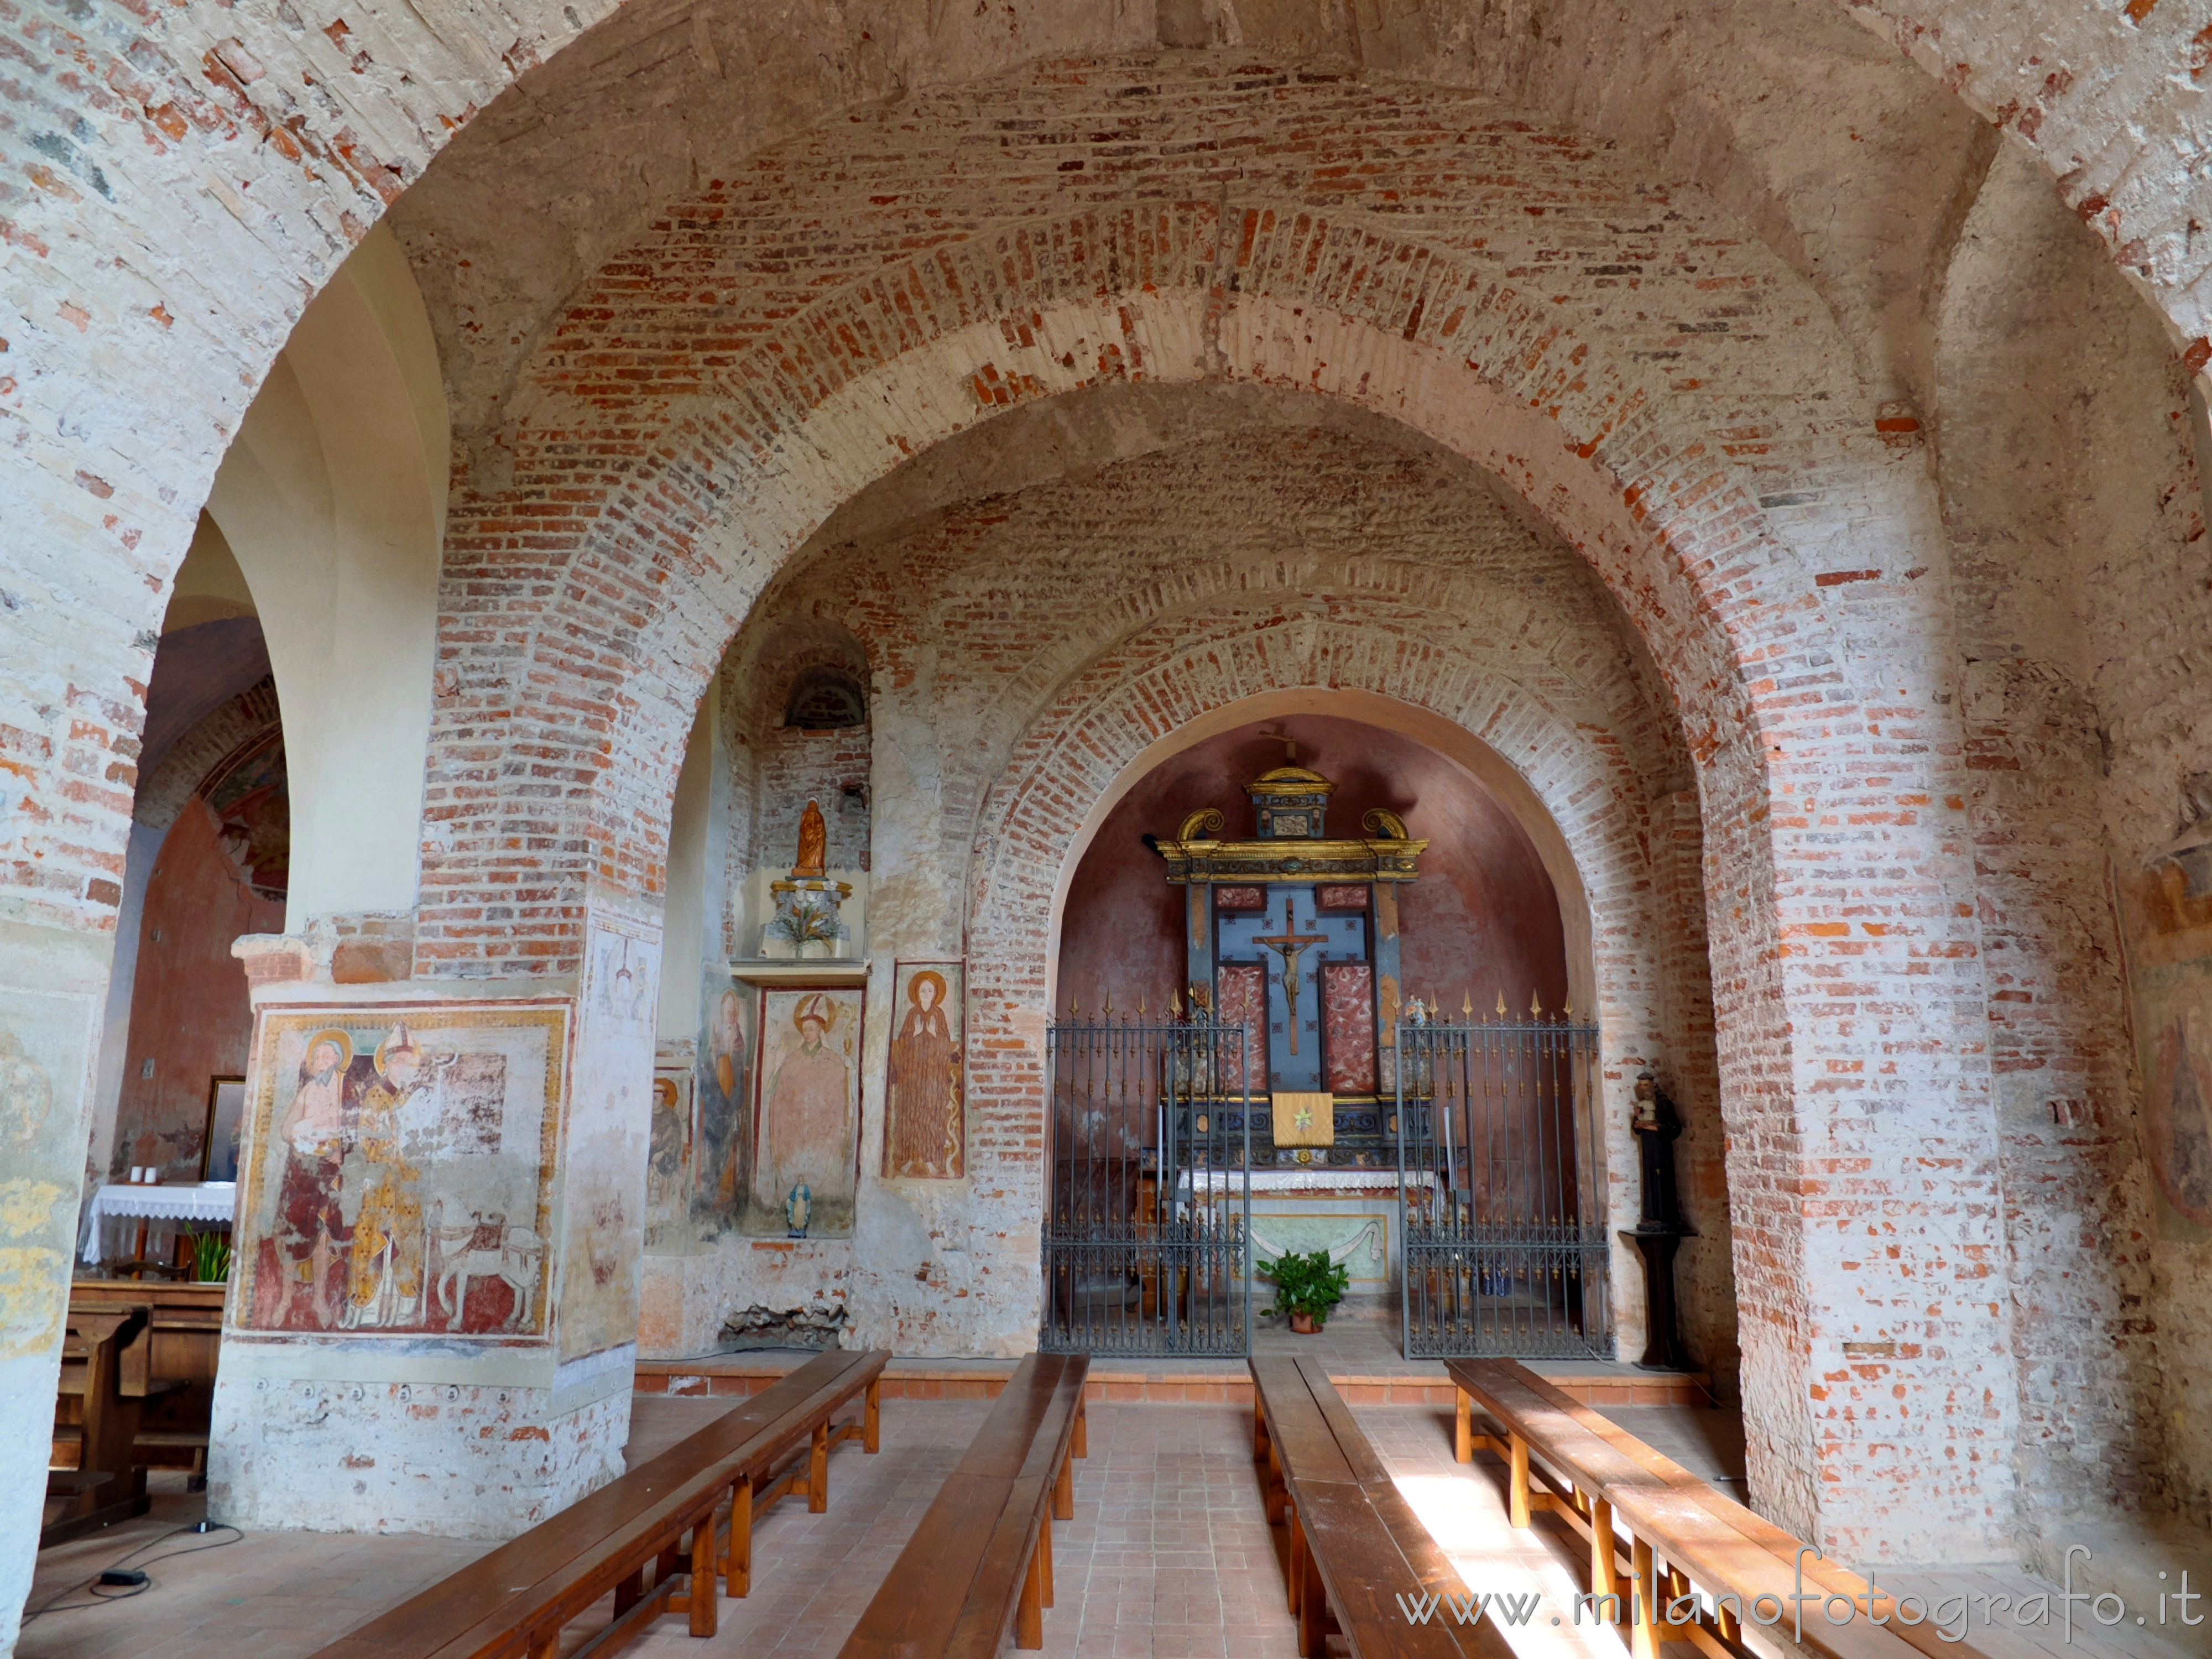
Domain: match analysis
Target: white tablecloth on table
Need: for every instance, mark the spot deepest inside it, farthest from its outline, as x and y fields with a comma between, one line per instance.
x=204, y=1200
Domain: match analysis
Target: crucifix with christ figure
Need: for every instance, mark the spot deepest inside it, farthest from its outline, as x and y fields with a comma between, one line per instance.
x=1290, y=944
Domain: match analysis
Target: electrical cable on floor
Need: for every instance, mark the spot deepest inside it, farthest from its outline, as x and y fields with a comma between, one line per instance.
x=128, y=1576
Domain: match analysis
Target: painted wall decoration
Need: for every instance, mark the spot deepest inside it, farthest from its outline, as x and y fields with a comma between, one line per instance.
x=2169, y=913
x=806, y=1121
x=670, y=1161
x=722, y=1163
x=399, y=1170
x=924, y=1125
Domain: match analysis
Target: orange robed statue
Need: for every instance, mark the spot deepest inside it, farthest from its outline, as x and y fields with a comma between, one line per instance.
x=813, y=842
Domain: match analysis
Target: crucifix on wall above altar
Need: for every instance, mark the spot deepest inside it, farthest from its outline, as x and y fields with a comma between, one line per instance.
x=1295, y=935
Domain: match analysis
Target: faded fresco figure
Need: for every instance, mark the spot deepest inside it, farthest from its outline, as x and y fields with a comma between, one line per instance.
x=924, y=1134
x=311, y=1226
x=725, y=1099
x=807, y=1102
x=384, y=1266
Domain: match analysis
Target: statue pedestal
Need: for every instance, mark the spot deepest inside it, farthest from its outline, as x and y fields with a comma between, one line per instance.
x=837, y=903
x=1662, y=1325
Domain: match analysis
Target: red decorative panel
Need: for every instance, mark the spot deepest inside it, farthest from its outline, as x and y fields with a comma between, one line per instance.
x=1342, y=898
x=1240, y=898
x=1244, y=996
x=1347, y=1001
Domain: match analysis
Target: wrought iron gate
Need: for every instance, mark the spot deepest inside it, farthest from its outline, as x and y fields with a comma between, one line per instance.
x=1147, y=1224
x=1501, y=1190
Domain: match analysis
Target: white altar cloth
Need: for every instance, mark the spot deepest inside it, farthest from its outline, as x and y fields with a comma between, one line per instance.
x=203, y=1201
x=1304, y=1181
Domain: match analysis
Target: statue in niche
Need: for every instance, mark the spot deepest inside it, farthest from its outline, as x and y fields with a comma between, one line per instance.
x=813, y=843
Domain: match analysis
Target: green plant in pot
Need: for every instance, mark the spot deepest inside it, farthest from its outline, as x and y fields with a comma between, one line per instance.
x=211, y=1257
x=1306, y=1287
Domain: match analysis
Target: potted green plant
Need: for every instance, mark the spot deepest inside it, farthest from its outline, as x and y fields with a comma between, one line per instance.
x=211, y=1257
x=1306, y=1287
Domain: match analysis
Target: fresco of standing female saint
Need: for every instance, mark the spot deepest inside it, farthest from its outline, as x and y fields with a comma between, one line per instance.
x=924, y=1133
x=806, y=1127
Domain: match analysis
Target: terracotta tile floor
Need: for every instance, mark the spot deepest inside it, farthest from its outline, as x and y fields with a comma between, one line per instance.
x=1167, y=1556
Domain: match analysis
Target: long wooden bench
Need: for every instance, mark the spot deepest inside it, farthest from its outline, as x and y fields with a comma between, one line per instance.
x=92, y=1481
x=1353, y=1553
x=1691, y=1549
x=663, y=1517
x=982, y=1558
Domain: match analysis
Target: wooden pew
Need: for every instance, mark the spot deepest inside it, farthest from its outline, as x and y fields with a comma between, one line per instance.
x=982, y=1558
x=662, y=1518
x=92, y=1481
x=1565, y=1458
x=1349, y=1544
x=169, y=1367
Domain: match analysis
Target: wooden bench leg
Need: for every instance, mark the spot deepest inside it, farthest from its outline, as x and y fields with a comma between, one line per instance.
x=706, y=1604
x=1463, y=1429
x=1259, y=1429
x=1294, y=1563
x=1644, y=1632
x=1029, y=1614
x=1044, y=1554
x=1604, y=1576
x=628, y=1592
x=872, y=1420
x=1063, y=1491
x=1082, y=1441
x=1313, y=1607
x=817, y=1472
x=547, y=1646
x=738, y=1564
x=1517, y=1497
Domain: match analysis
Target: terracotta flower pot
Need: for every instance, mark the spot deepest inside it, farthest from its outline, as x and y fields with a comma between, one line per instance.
x=1303, y=1323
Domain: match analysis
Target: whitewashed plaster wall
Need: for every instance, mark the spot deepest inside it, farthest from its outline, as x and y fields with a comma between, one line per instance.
x=333, y=500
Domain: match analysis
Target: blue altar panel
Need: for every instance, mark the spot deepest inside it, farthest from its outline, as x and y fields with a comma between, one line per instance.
x=1293, y=923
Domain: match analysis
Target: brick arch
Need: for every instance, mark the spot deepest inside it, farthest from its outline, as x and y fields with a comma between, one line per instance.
x=1569, y=667
x=222, y=732
x=1560, y=772
x=149, y=132
x=1182, y=679
x=658, y=576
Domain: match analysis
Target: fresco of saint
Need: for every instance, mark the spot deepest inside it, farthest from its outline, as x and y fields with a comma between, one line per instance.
x=384, y=1265
x=313, y=1136
x=923, y=1137
x=807, y=1102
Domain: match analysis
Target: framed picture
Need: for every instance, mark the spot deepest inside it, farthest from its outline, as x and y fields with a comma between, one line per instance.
x=807, y=1116
x=924, y=1126
x=225, y=1115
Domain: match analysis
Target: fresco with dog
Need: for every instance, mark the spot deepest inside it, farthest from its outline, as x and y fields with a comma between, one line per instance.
x=401, y=1170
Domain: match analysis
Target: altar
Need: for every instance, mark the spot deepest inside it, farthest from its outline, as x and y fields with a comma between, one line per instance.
x=1351, y=1214
x=1295, y=937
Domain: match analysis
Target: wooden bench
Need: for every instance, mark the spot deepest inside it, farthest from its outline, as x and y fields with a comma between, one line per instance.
x=1682, y=1534
x=1350, y=1545
x=663, y=1517
x=982, y=1558
x=91, y=1480
x=169, y=1367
